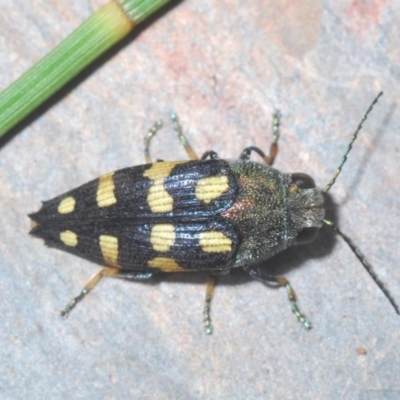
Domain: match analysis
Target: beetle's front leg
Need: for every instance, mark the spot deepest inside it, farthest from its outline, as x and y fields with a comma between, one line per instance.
x=280, y=281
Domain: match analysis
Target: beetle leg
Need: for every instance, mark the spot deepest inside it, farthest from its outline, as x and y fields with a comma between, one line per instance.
x=152, y=131
x=209, y=294
x=105, y=272
x=182, y=138
x=212, y=154
x=178, y=129
x=273, y=150
x=280, y=281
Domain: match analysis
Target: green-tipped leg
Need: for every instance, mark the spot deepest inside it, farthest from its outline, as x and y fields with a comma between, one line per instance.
x=209, y=294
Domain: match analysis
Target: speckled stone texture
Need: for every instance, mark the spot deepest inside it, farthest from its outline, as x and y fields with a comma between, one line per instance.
x=223, y=66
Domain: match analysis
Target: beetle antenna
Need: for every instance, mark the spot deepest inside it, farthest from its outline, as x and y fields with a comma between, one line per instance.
x=344, y=159
x=349, y=242
x=364, y=263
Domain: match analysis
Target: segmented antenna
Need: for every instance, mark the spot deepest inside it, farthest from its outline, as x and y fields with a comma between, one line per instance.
x=349, y=242
x=344, y=159
x=365, y=264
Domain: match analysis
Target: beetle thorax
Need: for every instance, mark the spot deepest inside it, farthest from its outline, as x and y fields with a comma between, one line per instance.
x=270, y=211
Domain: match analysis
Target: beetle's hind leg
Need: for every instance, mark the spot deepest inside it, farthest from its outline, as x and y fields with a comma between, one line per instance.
x=257, y=274
x=178, y=129
x=209, y=294
x=105, y=272
x=273, y=150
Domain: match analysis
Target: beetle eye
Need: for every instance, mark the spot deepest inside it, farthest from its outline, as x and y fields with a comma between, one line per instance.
x=303, y=181
x=307, y=235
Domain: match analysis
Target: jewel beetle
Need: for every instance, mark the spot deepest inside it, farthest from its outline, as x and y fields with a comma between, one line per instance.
x=205, y=214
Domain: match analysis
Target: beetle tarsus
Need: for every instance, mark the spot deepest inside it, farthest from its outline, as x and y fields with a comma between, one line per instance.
x=207, y=319
x=295, y=308
x=152, y=131
x=182, y=138
x=207, y=306
x=71, y=305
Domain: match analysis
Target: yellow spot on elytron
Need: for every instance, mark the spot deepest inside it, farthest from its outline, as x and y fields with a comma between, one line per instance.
x=109, y=249
x=162, y=237
x=158, y=199
x=66, y=205
x=209, y=189
x=165, y=264
x=215, y=242
x=69, y=238
x=105, y=192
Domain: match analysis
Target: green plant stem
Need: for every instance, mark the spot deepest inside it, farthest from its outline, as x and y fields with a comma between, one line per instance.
x=102, y=30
